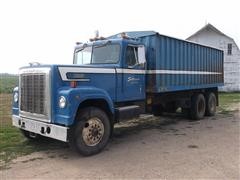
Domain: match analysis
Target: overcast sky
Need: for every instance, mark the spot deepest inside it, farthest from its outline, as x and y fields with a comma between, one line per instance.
x=46, y=30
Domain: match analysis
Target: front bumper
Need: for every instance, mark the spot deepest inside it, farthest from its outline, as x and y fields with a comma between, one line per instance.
x=44, y=129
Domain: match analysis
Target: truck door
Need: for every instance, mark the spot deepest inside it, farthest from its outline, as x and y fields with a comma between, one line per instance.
x=133, y=73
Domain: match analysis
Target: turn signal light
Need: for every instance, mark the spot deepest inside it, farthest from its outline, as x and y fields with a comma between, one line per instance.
x=73, y=84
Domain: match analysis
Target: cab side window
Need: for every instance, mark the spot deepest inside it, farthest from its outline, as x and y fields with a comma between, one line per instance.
x=131, y=56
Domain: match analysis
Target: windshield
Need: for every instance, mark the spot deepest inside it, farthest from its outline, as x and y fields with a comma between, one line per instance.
x=105, y=54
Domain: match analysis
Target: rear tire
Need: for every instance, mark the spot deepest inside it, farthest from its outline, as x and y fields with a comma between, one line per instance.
x=211, y=103
x=91, y=132
x=198, y=107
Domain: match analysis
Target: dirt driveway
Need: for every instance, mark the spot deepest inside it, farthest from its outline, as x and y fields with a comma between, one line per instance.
x=165, y=147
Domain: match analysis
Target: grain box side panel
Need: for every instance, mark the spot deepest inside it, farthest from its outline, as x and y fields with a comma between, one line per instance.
x=181, y=65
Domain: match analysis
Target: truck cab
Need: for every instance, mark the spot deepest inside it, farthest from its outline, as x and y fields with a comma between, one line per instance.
x=120, y=64
x=80, y=103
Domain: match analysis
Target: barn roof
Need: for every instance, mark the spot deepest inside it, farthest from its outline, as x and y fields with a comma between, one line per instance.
x=208, y=27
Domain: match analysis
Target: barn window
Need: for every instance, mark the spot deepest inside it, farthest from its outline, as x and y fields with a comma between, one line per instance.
x=229, y=51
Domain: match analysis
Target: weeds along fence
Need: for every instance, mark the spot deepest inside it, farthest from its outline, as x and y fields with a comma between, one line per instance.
x=7, y=83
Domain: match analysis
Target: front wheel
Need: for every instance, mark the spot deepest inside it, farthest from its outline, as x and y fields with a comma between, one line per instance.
x=92, y=131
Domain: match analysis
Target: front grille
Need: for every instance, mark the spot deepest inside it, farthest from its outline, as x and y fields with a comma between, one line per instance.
x=33, y=93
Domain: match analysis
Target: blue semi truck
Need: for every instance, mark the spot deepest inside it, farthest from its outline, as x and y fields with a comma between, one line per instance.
x=112, y=79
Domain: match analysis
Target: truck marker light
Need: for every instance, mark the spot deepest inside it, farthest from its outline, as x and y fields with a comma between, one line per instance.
x=73, y=84
x=123, y=35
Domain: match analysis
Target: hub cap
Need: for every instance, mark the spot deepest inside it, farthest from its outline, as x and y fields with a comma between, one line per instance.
x=93, y=131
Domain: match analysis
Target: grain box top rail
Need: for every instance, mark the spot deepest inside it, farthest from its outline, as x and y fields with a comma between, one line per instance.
x=139, y=34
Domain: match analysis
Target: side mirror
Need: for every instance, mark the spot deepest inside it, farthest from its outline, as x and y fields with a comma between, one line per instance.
x=141, y=56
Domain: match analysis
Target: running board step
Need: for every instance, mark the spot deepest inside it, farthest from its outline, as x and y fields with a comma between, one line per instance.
x=127, y=112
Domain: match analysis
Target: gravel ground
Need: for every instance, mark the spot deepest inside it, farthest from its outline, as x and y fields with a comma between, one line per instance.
x=168, y=147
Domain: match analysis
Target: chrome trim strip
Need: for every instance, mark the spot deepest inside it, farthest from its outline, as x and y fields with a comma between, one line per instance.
x=81, y=80
x=179, y=72
x=64, y=70
x=131, y=71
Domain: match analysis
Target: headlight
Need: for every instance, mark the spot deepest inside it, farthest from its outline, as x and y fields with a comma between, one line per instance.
x=15, y=97
x=62, y=102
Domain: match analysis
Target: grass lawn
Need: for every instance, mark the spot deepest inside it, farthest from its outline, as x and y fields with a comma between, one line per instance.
x=227, y=101
x=7, y=83
x=13, y=144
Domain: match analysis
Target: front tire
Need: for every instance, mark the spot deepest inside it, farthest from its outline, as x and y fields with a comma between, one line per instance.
x=198, y=106
x=91, y=132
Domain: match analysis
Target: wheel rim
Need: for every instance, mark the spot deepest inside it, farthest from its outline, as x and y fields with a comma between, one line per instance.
x=93, y=131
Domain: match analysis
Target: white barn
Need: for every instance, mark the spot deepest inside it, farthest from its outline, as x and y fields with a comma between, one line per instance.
x=211, y=36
